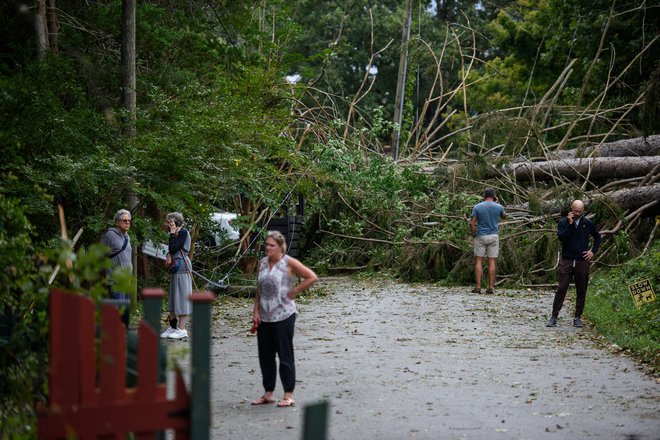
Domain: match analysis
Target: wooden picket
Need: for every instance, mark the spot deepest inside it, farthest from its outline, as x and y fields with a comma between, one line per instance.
x=86, y=403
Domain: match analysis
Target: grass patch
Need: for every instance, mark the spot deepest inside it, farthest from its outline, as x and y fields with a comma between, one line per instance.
x=611, y=308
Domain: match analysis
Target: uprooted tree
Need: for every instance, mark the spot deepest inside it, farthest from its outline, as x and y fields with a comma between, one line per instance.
x=539, y=156
x=625, y=172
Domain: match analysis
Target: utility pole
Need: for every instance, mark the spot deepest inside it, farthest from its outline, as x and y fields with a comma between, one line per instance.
x=401, y=81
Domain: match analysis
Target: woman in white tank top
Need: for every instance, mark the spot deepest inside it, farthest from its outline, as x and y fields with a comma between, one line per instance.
x=274, y=316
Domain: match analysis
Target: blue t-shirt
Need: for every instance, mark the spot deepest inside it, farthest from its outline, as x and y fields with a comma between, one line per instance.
x=488, y=216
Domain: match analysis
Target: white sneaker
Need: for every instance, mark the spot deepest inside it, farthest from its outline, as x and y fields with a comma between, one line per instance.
x=179, y=334
x=168, y=332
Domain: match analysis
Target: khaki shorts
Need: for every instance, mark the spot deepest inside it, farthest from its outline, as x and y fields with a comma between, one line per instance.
x=487, y=246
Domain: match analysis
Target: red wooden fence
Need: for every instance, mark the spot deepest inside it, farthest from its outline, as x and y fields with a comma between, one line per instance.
x=86, y=403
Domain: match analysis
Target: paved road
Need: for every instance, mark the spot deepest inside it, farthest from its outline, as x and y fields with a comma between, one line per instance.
x=400, y=361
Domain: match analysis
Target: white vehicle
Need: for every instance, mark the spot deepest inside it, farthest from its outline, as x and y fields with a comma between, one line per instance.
x=224, y=230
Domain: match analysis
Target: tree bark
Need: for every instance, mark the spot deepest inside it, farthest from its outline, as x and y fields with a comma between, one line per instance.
x=641, y=146
x=128, y=65
x=442, y=10
x=628, y=199
x=41, y=29
x=53, y=32
x=594, y=168
x=633, y=198
x=128, y=97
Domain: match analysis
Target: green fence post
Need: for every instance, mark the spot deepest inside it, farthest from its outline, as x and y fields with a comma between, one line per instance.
x=152, y=299
x=151, y=303
x=316, y=421
x=200, y=410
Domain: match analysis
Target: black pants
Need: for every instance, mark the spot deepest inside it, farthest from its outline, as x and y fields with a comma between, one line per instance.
x=277, y=338
x=577, y=270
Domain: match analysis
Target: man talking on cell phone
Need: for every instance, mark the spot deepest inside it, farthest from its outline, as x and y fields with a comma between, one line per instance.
x=573, y=232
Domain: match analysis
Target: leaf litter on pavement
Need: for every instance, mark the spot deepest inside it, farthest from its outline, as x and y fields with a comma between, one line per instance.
x=426, y=361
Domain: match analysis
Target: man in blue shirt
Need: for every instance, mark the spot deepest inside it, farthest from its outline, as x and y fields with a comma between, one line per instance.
x=484, y=223
x=574, y=232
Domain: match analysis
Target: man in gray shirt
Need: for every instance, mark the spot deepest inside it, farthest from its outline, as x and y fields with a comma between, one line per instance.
x=119, y=242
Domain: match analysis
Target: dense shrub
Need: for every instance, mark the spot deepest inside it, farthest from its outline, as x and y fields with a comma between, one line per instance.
x=23, y=323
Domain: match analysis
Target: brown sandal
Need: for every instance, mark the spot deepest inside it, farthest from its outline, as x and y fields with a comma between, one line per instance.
x=263, y=401
x=285, y=402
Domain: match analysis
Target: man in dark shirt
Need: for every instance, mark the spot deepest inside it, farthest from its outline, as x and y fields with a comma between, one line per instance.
x=574, y=231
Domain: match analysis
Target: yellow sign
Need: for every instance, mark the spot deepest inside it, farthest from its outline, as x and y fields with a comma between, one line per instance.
x=642, y=292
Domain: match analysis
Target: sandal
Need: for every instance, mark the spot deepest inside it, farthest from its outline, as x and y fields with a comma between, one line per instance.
x=285, y=402
x=263, y=401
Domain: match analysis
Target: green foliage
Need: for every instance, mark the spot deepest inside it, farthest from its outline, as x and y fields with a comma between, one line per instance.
x=23, y=322
x=56, y=143
x=85, y=271
x=208, y=129
x=24, y=309
x=610, y=307
x=516, y=135
x=333, y=46
x=371, y=198
x=216, y=125
x=364, y=195
x=502, y=83
x=534, y=40
x=429, y=261
x=650, y=113
x=15, y=246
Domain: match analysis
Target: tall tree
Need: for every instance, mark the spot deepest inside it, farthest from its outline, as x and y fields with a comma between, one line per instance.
x=53, y=29
x=128, y=65
x=41, y=28
x=129, y=99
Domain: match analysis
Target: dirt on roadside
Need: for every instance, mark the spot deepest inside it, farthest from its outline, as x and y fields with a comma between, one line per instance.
x=398, y=361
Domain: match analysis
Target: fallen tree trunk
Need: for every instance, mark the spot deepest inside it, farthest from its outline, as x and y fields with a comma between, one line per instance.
x=628, y=199
x=594, y=168
x=641, y=146
x=633, y=198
